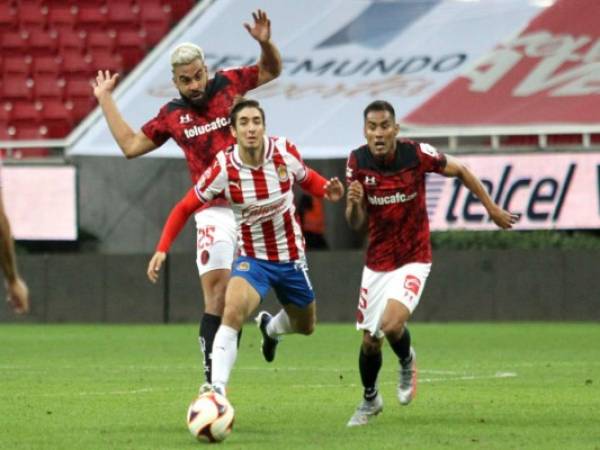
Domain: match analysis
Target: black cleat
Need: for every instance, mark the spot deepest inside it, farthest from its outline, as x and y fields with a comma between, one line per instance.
x=268, y=344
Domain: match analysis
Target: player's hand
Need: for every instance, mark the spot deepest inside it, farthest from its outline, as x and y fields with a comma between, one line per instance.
x=155, y=265
x=503, y=218
x=105, y=83
x=334, y=189
x=261, y=30
x=355, y=192
x=18, y=296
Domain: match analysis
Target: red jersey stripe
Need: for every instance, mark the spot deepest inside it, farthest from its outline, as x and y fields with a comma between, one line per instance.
x=260, y=184
x=290, y=236
x=270, y=240
x=234, y=185
x=247, y=241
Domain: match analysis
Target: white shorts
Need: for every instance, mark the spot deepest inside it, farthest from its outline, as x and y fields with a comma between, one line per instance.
x=216, y=239
x=404, y=285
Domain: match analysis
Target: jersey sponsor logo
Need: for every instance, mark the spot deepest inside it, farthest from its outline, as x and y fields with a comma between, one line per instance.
x=198, y=130
x=412, y=284
x=370, y=181
x=398, y=197
x=282, y=173
x=260, y=213
x=185, y=118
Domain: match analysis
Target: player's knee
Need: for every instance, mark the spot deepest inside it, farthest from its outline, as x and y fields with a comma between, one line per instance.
x=233, y=316
x=371, y=347
x=392, y=328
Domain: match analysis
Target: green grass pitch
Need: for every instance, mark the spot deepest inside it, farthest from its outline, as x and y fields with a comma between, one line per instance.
x=482, y=386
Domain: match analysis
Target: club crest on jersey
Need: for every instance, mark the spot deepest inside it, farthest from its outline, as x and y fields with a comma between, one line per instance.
x=370, y=181
x=282, y=173
x=185, y=118
x=244, y=266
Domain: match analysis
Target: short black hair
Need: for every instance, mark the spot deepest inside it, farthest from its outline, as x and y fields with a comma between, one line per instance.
x=379, y=105
x=242, y=103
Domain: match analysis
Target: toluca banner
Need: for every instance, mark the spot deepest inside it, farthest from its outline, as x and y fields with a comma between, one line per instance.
x=338, y=56
x=547, y=75
x=548, y=191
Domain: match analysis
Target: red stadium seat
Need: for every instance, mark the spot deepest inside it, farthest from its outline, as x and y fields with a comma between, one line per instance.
x=82, y=106
x=101, y=39
x=27, y=131
x=57, y=117
x=155, y=31
x=78, y=88
x=180, y=8
x=131, y=45
x=46, y=64
x=7, y=16
x=32, y=15
x=91, y=16
x=76, y=64
x=14, y=42
x=20, y=64
x=106, y=60
x=16, y=87
x=62, y=16
x=42, y=43
x=71, y=40
x=48, y=87
x=123, y=15
x=154, y=11
x=24, y=111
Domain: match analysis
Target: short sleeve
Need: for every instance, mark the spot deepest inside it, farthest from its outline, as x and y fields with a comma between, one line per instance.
x=351, y=168
x=297, y=166
x=431, y=160
x=157, y=129
x=243, y=79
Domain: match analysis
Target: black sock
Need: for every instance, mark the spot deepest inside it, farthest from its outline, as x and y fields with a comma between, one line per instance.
x=208, y=328
x=369, y=366
x=402, y=347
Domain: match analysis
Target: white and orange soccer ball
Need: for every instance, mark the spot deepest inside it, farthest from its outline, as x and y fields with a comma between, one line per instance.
x=210, y=417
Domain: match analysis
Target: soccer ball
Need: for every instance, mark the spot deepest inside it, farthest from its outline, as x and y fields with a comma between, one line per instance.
x=210, y=417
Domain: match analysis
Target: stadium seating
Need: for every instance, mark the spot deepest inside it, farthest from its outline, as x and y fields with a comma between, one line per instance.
x=52, y=49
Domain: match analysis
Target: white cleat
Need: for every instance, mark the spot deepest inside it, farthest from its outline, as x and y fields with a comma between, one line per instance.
x=407, y=379
x=366, y=411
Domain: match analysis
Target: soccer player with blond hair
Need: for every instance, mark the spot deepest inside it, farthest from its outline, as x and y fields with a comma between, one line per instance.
x=199, y=122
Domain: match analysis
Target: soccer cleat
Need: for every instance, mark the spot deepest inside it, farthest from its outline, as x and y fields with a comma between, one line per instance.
x=407, y=379
x=268, y=344
x=365, y=411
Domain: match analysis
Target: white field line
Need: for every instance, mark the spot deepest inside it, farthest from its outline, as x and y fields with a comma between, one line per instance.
x=421, y=380
x=455, y=377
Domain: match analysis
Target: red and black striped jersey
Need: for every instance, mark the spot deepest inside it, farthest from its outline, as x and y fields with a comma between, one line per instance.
x=398, y=226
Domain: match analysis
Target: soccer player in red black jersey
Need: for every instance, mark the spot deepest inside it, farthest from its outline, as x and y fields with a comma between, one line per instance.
x=256, y=176
x=198, y=121
x=386, y=192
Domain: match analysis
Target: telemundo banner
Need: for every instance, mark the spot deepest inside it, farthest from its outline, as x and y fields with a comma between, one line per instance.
x=337, y=55
x=548, y=191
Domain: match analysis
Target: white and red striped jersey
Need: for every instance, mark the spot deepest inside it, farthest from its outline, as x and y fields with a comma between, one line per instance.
x=261, y=198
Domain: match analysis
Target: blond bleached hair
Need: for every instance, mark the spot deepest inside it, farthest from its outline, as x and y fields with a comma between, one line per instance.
x=185, y=53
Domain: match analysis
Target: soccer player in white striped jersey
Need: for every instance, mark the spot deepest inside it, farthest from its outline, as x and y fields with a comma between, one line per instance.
x=256, y=176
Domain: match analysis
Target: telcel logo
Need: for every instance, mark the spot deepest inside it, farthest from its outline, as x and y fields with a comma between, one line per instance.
x=545, y=196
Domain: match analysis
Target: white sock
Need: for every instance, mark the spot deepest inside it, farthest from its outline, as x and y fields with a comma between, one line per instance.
x=279, y=324
x=224, y=354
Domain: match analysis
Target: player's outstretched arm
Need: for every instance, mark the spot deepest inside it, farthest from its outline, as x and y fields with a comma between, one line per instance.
x=356, y=214
x=132, y=144
x=269, y=64
x=18, y=294
x=173, y=226
x=501, y=217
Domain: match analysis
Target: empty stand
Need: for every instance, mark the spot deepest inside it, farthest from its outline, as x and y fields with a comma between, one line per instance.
x=52, y=49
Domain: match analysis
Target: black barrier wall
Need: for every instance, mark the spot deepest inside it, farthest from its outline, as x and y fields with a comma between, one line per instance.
x=501, y=285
